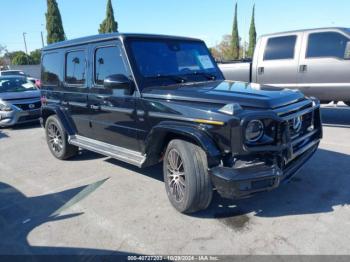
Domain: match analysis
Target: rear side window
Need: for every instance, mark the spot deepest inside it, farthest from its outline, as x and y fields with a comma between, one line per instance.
x=51, y=73
x=75, y=68
x=280, y=48
x=328, y=44
x=108, y=61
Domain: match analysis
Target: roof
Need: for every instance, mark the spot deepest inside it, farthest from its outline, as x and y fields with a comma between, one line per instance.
x=12, y=76
x=308, y=30
x=111, y=36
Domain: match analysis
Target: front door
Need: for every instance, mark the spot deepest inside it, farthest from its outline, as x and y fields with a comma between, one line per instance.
x=325, y=65
x=278, y=62
x=112, y=111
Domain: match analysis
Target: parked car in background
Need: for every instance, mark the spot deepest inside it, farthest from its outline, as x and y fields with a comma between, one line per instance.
x=12, y=73
x=35, y=81
x=315, y=61
x=19, y=101
x=144, y=99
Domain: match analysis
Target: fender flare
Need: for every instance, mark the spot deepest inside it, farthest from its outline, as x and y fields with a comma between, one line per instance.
x=157, y=139
x=49, y=110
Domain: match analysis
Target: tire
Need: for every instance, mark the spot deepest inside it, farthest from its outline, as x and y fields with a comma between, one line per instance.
x=188, y=185
x=347, y=103
x=57, y=139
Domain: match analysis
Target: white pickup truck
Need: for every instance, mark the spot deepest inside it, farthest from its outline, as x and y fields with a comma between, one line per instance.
x=315, y=61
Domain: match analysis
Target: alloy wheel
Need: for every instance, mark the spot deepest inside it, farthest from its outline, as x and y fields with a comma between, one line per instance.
x=176, y=175
x=55, y=138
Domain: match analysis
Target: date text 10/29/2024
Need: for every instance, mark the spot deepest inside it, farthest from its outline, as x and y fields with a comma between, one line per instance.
x=173, y=258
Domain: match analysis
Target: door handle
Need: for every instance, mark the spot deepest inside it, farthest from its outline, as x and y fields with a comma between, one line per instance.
x=261, y=70
x=95, y=107
x=302, y=68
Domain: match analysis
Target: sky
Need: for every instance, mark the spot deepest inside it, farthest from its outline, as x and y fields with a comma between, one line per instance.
x=205, y=19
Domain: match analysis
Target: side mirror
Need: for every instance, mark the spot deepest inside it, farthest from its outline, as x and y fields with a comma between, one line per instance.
x=117, y=82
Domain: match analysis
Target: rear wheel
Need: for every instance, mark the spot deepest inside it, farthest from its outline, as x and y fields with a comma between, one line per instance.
x=57, y=139
x=186, y=178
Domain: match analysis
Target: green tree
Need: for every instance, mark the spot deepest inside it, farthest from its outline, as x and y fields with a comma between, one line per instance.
x=36, y=56
x=12, y=55
x=21, y=58
x=54, y=27
x=223, y=51
x=109, y=25
x=235, y=37
x=252, y=35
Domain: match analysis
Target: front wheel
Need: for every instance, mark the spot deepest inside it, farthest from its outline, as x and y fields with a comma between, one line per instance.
x=57, y=139
x=186, y=177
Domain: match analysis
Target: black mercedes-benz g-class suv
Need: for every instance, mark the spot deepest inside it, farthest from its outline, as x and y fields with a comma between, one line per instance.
x=144, y=99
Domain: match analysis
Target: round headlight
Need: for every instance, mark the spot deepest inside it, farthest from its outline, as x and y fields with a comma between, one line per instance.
x=254, y=131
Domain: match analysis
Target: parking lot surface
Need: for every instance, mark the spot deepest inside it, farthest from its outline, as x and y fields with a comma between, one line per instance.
x=97, y=205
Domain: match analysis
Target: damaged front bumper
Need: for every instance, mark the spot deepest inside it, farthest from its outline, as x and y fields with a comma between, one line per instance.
x=235, y=183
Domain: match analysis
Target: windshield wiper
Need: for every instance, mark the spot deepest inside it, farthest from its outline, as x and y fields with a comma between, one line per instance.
x=177, y=79
x=206, y=75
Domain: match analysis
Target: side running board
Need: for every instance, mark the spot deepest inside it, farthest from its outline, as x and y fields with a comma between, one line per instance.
x=126, y=155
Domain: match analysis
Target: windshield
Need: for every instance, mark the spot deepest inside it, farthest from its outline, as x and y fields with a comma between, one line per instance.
x=171, y=61
x=14, y=84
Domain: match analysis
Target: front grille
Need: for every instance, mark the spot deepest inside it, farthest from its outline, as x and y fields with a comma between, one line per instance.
x=300, y=128
x=298, y=118
x=306, y=122
x=27, y=106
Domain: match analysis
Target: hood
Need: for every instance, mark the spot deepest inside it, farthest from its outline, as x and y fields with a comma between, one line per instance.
x=224, y=92
x=20, y=95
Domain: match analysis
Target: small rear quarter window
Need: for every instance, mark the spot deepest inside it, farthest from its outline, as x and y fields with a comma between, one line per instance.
x=51, y=72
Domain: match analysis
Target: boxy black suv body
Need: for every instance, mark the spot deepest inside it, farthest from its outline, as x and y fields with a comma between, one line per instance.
x=144, y=99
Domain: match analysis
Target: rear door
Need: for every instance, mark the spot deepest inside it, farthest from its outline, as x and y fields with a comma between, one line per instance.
x=324, y=69
x=112, y=111
x=278, y=60
x=75, y=89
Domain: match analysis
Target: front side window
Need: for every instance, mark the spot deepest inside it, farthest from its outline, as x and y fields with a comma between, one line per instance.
x=108, y=61
x=280, y=48
x=327, y=44
x=51, y=73
x=75, y=68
